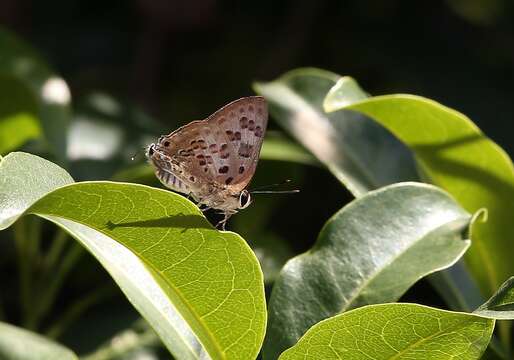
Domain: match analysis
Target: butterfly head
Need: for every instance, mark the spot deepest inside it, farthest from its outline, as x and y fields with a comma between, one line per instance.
x=150, y=151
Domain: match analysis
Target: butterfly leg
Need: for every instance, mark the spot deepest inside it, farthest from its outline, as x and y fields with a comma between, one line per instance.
x=222, y=223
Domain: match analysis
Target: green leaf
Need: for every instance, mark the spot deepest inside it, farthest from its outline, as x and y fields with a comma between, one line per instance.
x=200, y=289
x=48, y=92
x=20, y=344
x=361, y=154
x=501, y=304
x=371, y=251
x=455, y=155
x=395, y=331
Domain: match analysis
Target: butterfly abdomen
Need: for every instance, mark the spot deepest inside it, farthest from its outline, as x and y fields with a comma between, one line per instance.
x=171, y=181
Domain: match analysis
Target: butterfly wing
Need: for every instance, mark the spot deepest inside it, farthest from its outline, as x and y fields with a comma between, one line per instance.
x=218, y=151
x=242, y=125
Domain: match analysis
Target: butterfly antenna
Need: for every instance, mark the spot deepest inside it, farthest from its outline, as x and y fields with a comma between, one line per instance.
x=270, y=186
x=260, y=189
x=276, y=192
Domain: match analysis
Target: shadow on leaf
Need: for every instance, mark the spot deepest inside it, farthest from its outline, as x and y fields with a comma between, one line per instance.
x=177, y=221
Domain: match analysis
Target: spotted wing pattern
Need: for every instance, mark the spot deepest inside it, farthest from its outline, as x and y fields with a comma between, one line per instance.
x=241, y=125
x=222, y=150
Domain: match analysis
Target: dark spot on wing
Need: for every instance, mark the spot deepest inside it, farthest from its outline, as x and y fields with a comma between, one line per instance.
x=245, y=150
x=243, y=122
x=224, y=153
x=223, y=169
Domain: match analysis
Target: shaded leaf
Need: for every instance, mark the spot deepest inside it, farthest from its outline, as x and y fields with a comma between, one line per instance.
x=395, y=331
x=501, y=304
x=361, y=154
x=19, y=344
x=190, y=281
x=277, y=147
x=371, y=251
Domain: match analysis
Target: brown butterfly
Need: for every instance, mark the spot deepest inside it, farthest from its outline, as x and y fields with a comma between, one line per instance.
x=213, y=160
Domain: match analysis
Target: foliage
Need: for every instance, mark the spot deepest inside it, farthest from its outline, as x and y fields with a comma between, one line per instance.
x=200, y=291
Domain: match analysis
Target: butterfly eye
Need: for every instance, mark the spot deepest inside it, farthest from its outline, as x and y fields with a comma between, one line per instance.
x=244, y=199
x=150, y=150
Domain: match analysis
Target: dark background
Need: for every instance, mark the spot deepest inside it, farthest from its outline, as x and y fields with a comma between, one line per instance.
x=180, y=60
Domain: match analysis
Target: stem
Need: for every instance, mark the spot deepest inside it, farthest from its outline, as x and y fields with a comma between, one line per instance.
x=58, y=242
x=75, y=310
x=48, y=296
x=34, y=238
x=24, y=272
x=124, y=343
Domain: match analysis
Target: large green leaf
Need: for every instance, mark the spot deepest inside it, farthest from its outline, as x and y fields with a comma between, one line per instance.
x=395, y=331
x=369, y=252
x=501, y=304
x=361, y=154
x=455, y=155
x=47, y=91
x=200, y=289
x=20, y=344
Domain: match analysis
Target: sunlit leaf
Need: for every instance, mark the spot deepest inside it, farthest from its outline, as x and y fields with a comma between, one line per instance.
x=371, y=251
x=200, y=289
x=395, y=331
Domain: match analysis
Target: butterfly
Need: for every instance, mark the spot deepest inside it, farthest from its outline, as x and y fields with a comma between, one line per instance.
x=213, y=160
